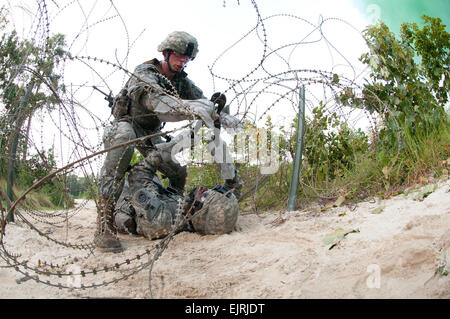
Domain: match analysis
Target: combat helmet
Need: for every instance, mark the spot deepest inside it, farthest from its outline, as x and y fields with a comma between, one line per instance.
x=218, y=213
x=181, y=42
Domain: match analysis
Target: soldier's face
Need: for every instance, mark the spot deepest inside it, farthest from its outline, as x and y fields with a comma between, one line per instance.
x=178, y=61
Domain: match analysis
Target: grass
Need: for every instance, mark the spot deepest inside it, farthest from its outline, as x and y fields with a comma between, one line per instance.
x=377, y=174
x=37, y=200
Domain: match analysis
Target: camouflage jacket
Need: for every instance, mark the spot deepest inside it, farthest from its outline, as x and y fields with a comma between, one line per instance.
x=148, y=79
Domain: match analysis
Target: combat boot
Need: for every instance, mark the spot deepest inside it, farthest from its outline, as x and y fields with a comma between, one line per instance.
x=106, y=235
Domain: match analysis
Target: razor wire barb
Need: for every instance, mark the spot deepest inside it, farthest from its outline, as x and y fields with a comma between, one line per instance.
x=258, y=88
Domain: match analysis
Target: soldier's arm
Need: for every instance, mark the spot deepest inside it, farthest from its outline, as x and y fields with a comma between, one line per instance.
x=191, y=91
x=144, y=89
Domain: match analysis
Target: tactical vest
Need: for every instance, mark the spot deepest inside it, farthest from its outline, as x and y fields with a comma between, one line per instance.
x=125, y=109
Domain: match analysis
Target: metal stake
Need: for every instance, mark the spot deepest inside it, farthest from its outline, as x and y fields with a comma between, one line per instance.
x=298, y=153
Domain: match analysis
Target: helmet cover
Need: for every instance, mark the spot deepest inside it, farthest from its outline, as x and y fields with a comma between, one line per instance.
x=181, y=42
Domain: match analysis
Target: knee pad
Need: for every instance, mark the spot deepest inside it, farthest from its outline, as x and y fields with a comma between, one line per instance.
x=125, y=223
x=154, y=217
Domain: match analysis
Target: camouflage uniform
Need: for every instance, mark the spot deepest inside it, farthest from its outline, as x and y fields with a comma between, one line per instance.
x=142, y=122
x=148, y=99
x=153, y=210
x=145, y=207
x=148, y=209
x=151, y=104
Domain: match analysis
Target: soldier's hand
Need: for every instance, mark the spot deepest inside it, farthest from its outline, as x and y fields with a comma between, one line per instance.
x=229, y=121
x=205, y=110
x=220, y=100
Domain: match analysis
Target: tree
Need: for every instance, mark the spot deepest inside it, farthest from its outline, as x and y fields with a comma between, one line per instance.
x=410, y=96
x=26, y=66
x=432, y=44
x=28, y=81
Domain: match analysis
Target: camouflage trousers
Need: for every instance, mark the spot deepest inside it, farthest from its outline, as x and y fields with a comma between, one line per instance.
x=145, y=207
x=116, y=164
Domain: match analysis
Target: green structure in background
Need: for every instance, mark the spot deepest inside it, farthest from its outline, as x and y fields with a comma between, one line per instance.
x=396, y=12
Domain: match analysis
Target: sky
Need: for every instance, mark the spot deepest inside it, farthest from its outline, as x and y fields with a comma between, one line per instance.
x=144, y=24
x=128, y=32
x=304, y=35
x=396, y=12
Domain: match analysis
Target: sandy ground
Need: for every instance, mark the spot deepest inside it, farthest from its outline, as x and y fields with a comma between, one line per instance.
x=394, y=248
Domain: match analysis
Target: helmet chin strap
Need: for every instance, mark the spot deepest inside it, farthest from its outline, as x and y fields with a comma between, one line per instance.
x=169, y=52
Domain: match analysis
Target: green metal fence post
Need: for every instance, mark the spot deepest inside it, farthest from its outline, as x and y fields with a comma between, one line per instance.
x=298, y=152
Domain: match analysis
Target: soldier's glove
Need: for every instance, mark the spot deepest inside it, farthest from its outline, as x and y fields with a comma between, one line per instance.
x=220, y=100
x=229, y=121
x=205, y=110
